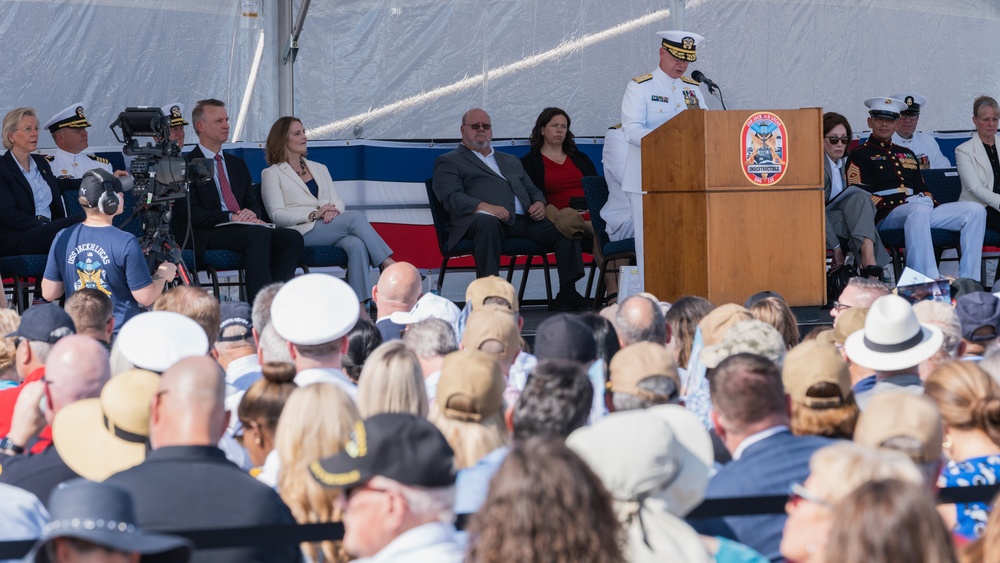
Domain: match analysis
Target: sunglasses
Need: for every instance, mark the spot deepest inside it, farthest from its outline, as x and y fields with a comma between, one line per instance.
x=797, y=493
x=837, y=140
x=478, y=126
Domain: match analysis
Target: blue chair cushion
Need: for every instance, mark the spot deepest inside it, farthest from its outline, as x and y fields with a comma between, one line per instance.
x=992, y=238
x=324, y=256
x=217, y=260
x=619, y=247
x=27, y=265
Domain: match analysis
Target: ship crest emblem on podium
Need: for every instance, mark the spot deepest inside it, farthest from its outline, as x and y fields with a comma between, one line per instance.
x=763, y=146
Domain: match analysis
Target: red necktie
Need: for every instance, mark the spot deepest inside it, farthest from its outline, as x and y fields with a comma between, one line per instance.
x=227, y=192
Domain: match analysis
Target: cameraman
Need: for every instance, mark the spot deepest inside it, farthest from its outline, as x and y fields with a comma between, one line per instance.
x=98, y=255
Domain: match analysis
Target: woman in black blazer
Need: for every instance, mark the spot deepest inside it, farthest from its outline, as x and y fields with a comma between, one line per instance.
x=557, y=167
x=32, y=210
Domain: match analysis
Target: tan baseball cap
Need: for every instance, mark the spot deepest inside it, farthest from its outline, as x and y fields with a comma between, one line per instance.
x=811, y=363
x=636, y=362
x=471, y=386
x=490, y=286
x=717, y=322
x=492, y=323
x=904, y=422
x=849, y=322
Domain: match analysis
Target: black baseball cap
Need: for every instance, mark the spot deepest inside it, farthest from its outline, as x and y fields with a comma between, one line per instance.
x=402, y=447
x=234, y=314
x=565, y=336
x=977, y=310
x=44, y=323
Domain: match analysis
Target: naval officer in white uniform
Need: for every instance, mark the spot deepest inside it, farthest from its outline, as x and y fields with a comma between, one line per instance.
x=69, y=131
x=923, y=145
x=650, y=101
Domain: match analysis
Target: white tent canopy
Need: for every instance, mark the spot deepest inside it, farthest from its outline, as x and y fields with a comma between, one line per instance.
x=408, y=69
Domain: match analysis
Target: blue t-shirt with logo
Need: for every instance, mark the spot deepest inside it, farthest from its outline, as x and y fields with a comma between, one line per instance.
x=103, y=258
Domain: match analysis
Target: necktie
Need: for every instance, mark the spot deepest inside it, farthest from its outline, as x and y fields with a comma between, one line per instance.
x=227, y=192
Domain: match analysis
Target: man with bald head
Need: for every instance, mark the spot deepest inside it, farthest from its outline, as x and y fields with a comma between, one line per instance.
x=640, y=319
x=398, y=289
x=489, y=197
x=76, y=368
x=186, y=483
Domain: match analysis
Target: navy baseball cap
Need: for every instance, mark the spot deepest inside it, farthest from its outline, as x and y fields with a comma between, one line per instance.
x=565, y=336
x=44, y=323
x=234, y=314
x=402, y=447
x=977, y=310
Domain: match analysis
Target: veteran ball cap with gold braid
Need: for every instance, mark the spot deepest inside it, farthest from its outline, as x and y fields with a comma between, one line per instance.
x=682, y=45
x=402, y=447
x=175, y=112
x=70, y=117
x=913, y=102
x=888, y=108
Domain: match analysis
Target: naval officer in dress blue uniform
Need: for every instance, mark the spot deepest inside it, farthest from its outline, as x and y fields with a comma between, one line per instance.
x=650, y=101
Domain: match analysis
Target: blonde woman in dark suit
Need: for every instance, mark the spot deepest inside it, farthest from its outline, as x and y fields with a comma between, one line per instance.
x=300, y=194
x=977, y=161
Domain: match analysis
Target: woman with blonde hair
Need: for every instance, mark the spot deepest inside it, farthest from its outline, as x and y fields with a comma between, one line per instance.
x=835, y=471
x=317, y=422
x=775, y=312
x=392, y=381
x=969, y=402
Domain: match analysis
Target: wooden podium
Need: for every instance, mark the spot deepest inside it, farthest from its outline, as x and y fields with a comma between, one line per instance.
x=714, y=227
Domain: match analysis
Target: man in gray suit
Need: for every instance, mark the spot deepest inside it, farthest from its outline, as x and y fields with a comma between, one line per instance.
x=490, y=197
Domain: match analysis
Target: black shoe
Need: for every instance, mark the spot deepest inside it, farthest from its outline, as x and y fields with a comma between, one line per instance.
x=570, y=301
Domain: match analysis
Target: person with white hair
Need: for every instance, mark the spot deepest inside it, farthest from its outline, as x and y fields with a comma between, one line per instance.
x=397, y=478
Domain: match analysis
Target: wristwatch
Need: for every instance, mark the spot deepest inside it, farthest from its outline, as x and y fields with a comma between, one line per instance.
x=6, y=444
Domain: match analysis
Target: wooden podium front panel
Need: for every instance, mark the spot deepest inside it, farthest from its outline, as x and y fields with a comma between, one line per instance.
x=722, y=246
x=803, y=151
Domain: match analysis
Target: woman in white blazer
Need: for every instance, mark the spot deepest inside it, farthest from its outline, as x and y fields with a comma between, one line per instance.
x=977, y=162
x=299, y=194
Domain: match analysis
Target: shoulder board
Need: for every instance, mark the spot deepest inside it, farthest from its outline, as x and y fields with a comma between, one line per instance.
x=49, y=157
x=643, y=78
x=690, y=80
x=619, y=126
x=96, y=158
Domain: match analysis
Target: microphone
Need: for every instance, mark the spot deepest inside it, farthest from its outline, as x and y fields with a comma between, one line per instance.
x=700, y=77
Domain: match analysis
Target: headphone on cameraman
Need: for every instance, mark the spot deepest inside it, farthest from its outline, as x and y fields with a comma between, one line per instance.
x=104, y=195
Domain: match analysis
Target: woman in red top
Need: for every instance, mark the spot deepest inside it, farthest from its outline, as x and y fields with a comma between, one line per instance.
x=557, y=167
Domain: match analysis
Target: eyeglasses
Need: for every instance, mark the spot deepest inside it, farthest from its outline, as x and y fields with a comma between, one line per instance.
x=478, y=126
x=17, y=341
x=837, y=140
x=798, y=493
x=838, y=306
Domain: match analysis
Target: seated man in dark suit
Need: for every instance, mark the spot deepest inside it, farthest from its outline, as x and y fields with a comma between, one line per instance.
x=490, y=197
x=271, y=254
x=186, y=482
x=751, y=415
